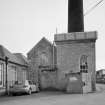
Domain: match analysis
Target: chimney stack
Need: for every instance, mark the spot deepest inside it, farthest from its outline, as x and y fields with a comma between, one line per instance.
x=75, y=16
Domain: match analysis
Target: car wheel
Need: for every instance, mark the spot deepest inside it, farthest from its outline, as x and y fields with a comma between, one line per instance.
x=29, y=92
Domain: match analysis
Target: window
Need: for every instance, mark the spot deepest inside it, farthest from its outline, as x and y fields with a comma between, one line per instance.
x=24, y=75
x=1, y=73
x=83, y=64
x=43, y=58
x=15, y=73
x=12, y=74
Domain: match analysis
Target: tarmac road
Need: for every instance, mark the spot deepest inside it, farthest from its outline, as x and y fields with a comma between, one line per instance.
x=56, y=98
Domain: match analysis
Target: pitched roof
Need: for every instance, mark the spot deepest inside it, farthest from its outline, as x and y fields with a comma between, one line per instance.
x=13, y=58
x=42, y=40
x=22, y=58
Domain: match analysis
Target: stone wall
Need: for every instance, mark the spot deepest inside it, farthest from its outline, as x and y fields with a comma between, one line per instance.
x=48, y=80
x=41, y=55
x=70, y=48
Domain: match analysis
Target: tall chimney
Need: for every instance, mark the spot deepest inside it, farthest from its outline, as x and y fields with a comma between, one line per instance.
x=75, y=16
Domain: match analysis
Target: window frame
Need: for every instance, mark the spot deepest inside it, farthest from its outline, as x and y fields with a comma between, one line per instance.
x=2, y=74
x=83, y=64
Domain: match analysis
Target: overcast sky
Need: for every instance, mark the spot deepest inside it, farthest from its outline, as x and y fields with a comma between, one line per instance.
x=24, y=22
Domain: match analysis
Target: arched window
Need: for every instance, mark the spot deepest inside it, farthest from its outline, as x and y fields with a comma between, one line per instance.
x=83, y=64
x=43, y=58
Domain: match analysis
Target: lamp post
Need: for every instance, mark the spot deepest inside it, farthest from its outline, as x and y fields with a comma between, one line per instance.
x=6, y=81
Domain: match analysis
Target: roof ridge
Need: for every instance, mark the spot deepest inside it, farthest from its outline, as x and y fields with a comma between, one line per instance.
x=43, y=38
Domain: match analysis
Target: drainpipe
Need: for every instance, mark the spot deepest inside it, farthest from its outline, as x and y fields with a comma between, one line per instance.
x=53, y=56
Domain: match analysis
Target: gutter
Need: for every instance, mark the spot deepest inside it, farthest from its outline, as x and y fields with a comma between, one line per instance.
x=14, y=63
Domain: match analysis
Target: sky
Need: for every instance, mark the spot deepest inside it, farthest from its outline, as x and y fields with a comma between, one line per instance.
x=24, y=22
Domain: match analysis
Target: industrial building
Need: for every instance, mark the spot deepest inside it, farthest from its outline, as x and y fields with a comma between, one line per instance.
x=69, y=63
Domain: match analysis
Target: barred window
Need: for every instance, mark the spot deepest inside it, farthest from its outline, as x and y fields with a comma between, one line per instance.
x=83, y=64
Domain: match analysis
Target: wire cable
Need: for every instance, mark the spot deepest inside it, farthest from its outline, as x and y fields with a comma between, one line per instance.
x=93, y=7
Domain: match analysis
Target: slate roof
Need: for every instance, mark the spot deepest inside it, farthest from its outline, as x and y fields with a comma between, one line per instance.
x=12, y=57
x=22, y=58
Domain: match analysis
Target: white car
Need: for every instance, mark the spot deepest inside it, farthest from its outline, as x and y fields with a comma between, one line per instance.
x=23, y=87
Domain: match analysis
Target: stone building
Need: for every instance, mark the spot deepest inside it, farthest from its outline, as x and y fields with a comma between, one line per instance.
x=100, y=74
x=76, y=61
x=41, y=58
x=67, y=66
x=73, y=55
x=16, y=69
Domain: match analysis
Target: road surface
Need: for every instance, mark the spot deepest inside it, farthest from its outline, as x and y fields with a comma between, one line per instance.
x=56, y=98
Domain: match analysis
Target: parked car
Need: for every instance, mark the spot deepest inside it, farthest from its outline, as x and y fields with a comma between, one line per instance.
x=26, y=86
